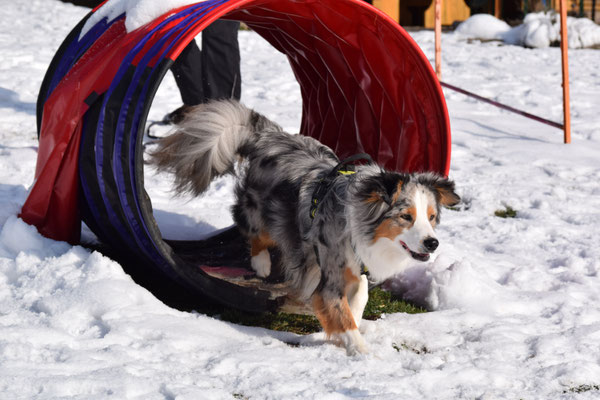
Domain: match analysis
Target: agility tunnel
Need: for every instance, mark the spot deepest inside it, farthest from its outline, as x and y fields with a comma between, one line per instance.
x=365, y=85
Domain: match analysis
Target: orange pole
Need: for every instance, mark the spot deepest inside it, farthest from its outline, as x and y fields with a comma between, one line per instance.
x=497, y=9
x=438, y=38
x=564, y=46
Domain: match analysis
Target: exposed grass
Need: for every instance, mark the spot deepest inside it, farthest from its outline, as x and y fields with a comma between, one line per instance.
x=301, y=324
x=583, y=388
x=380, y=302
x=507, y=212
x=404, y=346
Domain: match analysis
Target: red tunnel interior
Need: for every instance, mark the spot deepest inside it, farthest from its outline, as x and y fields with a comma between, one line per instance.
x=366, y=86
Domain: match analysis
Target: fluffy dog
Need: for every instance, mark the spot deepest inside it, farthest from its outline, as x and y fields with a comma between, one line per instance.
x=293, y=193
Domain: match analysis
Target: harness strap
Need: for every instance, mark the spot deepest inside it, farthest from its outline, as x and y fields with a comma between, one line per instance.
x=324, y=185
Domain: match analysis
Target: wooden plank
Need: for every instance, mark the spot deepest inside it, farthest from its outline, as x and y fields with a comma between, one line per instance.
x=278, y=290
x=453, y=10
x=390, y=7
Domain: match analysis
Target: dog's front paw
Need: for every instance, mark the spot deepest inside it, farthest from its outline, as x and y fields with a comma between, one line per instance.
x=261, y=264
x=353, y=342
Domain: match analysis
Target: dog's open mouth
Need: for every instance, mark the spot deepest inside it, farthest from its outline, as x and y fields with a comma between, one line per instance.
x=416, y=256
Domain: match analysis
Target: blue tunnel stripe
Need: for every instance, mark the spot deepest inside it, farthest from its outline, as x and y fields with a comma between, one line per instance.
x=143, y=240
x=140, y=235
x=76, y=49
x=136, y=129
x=132, y=211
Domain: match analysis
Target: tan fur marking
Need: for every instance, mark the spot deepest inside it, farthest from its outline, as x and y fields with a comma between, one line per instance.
x=390, y=229
x=335, y=315
x=397, y=192
x=447, y=197
x=261, y=242
x=387, y=229
x=349, y=276
x=373, y=198
x=352, y=281
x=430, y=212
x=412, y=211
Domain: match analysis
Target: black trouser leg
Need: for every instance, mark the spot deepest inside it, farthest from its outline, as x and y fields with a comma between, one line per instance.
x=221, y=61
x=214, y=72
x=187, y=70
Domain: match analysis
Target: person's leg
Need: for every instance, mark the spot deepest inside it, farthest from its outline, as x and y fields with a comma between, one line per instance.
x=187, y=70
x=221, y=61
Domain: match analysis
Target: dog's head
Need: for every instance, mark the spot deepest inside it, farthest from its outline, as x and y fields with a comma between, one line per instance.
x=394, y=218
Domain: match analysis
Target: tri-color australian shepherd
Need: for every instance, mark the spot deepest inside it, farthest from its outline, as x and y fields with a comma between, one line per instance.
x=293, y=194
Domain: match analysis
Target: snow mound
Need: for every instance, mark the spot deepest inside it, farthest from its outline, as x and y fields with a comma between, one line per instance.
x=484, y=27
x=447, y=284
x=138, y=12
x=538, y=30
x=583, y=33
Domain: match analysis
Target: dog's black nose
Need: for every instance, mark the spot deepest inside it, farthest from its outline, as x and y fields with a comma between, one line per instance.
x=431, y=244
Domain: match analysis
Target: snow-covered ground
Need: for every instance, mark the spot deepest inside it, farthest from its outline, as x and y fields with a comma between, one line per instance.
x=538, y=30
x=516, y=302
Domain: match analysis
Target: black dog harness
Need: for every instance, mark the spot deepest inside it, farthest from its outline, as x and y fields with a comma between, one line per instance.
x=324, y=185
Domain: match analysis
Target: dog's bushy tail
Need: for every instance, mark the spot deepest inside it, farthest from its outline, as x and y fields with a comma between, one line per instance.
x=205, y=144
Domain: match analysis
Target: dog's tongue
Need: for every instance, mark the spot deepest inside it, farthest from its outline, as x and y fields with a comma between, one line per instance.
x=419, y=256
x=416, y=256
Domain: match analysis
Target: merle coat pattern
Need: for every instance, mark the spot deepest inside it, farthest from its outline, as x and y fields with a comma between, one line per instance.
x=360, y=220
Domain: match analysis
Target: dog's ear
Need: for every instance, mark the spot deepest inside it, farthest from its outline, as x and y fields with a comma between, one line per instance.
x=384, y=187
x=445, y=190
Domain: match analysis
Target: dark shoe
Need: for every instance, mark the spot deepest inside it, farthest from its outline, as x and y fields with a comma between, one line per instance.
x=176, y=116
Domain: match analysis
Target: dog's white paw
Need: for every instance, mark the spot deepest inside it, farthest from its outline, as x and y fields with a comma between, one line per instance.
x=261, y=264
x=353, y=342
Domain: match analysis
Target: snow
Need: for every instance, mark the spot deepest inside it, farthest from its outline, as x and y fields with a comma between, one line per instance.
x=538, y=30
x=483, y=26
x=137, y=12
x=515, y=301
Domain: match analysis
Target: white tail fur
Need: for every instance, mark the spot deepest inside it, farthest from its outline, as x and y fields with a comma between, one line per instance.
x=205, y=143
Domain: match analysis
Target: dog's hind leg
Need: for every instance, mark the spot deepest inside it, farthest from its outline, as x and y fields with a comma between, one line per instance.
x=259, y=252
x=336, y=317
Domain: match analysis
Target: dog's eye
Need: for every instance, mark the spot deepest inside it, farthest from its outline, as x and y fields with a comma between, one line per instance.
x=432, y=217
x=406, y=217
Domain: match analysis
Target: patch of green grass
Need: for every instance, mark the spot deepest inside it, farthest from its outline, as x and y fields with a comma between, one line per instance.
x=300, y=324
x=583, y=388
x=380, y=302
x=507, y=212
x=404, y=346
